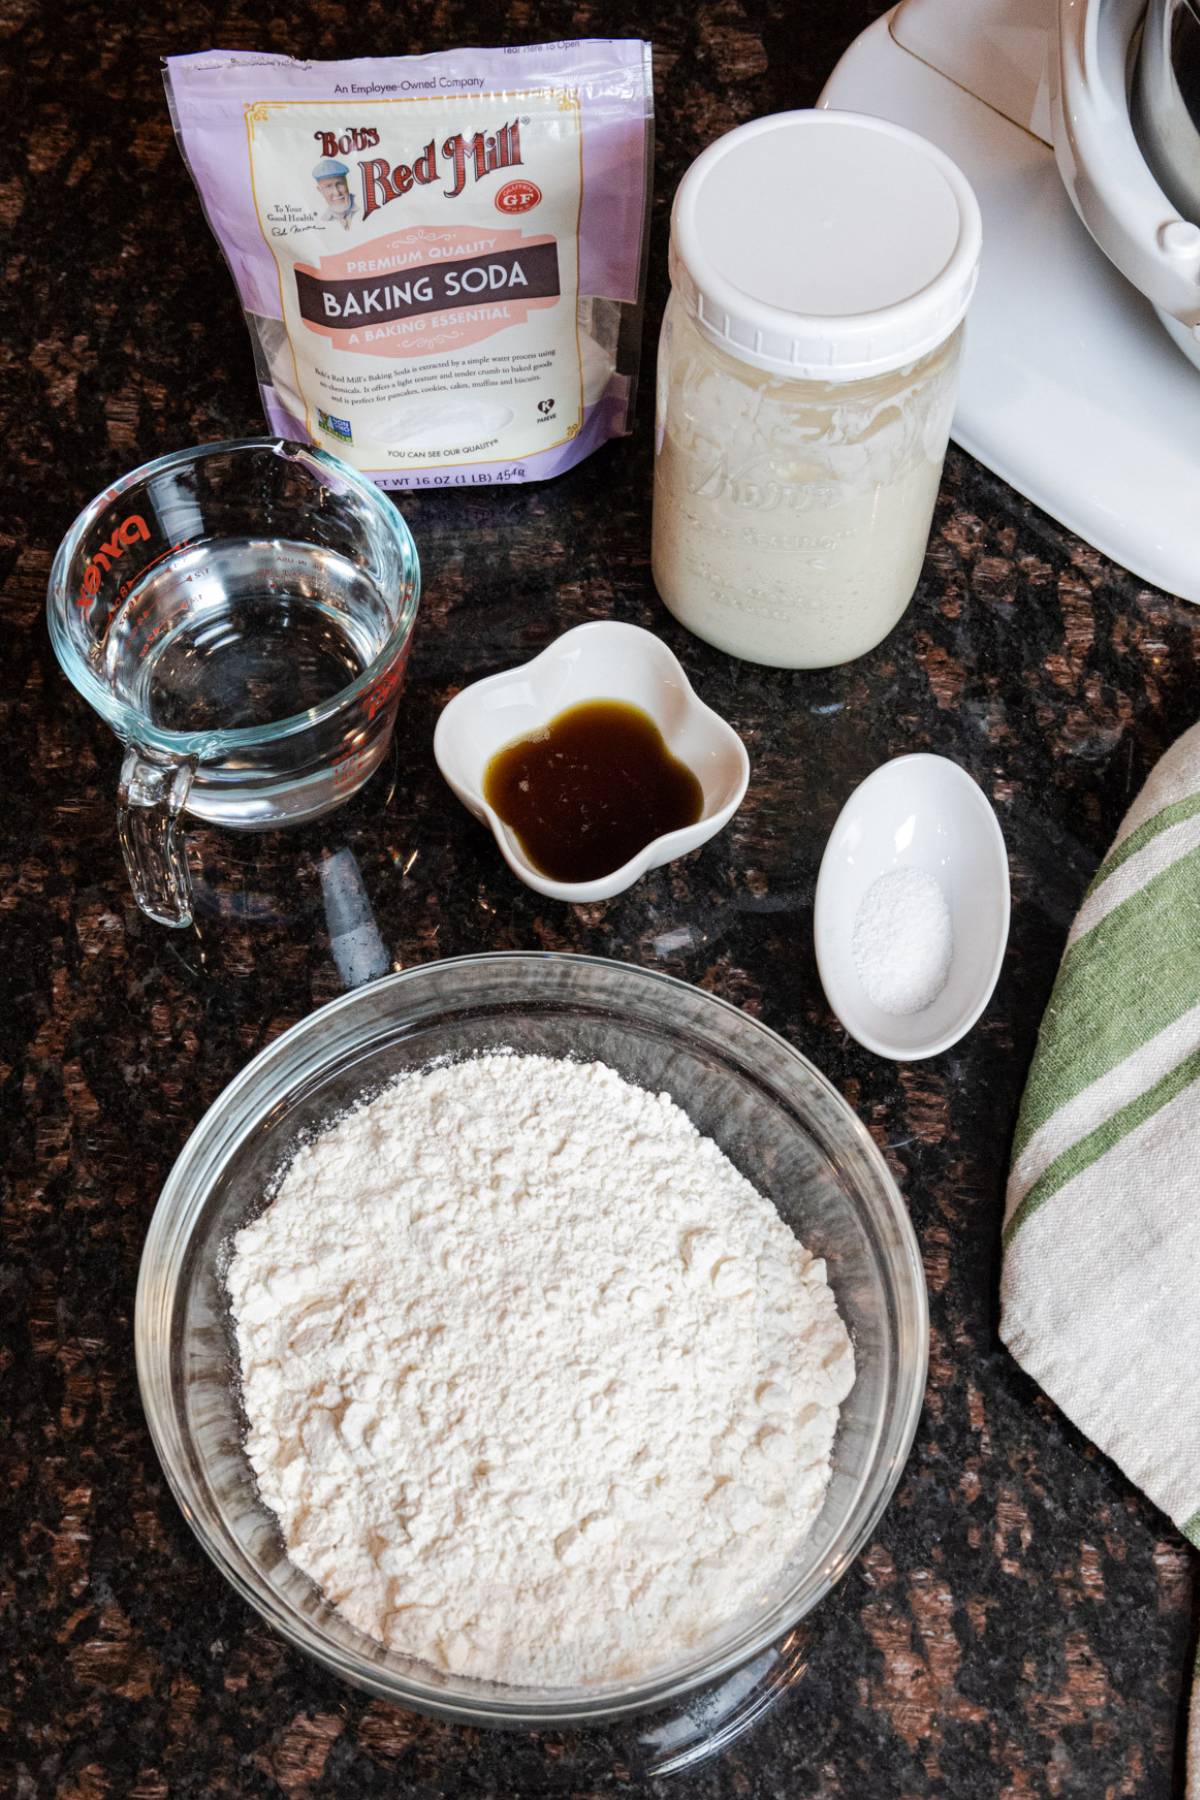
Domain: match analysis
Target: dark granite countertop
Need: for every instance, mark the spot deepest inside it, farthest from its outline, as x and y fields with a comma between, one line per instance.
x=1022, y=1620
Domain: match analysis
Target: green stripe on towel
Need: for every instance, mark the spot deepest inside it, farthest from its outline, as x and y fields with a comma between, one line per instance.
x=1087, y=1150
x=1119, y=986
x=1137, y=840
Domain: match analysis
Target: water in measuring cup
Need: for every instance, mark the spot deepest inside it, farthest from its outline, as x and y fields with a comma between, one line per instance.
x=243, y=632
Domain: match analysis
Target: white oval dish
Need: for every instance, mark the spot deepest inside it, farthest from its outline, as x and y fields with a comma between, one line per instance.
x=604, y=660
x=915, y=812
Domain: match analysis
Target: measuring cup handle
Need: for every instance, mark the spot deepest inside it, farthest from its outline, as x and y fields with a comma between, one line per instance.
x=152, y=793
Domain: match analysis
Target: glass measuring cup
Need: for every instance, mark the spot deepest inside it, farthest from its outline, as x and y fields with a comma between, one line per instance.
x=241, y=615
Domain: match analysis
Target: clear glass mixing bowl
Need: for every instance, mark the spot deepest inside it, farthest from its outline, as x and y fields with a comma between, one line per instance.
x=770, y=1110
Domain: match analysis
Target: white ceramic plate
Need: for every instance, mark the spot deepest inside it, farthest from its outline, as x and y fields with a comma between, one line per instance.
x=915, y=812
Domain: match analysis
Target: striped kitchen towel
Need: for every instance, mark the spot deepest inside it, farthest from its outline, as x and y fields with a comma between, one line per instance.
x=1101, y=1283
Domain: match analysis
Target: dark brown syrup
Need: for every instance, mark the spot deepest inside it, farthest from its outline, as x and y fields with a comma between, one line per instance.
x=591, y=789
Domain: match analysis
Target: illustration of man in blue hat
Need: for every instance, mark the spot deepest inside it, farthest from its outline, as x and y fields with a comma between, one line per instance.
x=332, y=177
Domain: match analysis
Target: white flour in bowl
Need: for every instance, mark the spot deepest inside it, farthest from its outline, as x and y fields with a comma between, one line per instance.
x=539, y=1388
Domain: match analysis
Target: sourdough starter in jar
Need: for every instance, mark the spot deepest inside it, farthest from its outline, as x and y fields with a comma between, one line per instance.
x=821, y=264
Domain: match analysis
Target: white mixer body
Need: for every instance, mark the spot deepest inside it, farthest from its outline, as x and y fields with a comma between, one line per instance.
x=1070, y=388
x=1105, y=170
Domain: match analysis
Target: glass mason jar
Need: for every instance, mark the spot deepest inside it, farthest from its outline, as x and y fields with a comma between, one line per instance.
x=798, y=448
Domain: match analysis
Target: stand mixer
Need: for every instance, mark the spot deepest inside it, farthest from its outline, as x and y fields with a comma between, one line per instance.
x=1071, y=389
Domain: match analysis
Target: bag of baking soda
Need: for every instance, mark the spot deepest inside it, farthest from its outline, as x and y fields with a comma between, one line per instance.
x=441, y=258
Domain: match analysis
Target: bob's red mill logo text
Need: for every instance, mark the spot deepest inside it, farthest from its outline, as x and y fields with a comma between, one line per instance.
x=458, y=160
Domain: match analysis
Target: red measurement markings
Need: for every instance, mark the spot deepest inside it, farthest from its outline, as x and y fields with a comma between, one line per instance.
x=348, y=768
x=170, y=550
x=382, y=690
x=385, y=687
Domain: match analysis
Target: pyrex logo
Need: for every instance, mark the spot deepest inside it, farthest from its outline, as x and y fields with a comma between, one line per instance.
x=129, y=532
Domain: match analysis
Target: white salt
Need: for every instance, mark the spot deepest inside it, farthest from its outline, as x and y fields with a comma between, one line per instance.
x=903, y=941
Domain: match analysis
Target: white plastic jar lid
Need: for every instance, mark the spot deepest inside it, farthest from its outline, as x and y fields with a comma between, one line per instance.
x=825, y=245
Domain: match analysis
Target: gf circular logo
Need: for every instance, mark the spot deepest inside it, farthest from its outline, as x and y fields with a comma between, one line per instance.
x=518, y=197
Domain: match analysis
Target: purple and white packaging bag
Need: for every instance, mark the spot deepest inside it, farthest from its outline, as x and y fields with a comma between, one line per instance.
x=440, y=258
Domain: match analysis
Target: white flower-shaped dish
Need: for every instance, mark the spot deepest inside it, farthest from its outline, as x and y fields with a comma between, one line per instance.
x=601, y=661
